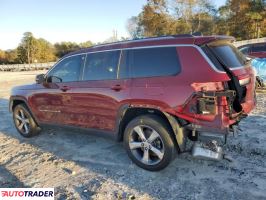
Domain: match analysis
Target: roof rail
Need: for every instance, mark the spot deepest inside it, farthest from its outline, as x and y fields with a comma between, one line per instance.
x=144, y=39
x=197, y=33
x=165, y=36
x=183, y=35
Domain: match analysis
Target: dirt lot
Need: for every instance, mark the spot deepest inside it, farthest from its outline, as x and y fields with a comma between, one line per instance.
x=81, y=166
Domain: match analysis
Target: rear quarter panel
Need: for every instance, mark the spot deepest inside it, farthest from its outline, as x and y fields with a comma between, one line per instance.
x=169, y=93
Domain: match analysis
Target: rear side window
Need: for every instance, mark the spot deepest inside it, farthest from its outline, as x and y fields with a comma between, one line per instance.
x=101, y=66
x=259, y=47
x=229, y=55
x=149, y=62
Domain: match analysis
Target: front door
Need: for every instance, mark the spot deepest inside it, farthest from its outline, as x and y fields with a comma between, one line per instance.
x=51, y=103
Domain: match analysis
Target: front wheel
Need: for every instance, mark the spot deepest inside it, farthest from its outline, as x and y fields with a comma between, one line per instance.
x=148, y=142
x=24, y=121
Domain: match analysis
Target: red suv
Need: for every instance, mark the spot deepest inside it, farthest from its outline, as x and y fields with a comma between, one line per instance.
x=154, y=94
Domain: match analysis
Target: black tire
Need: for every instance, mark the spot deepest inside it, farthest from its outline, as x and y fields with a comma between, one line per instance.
x=22, y=119
x=257, y=84
x=164, y=142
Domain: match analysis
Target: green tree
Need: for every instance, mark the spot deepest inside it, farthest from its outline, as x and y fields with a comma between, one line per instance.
x=197, y=14
x=86, y=44
x=155, y=20
x=133, y=27
x=12, y=57
x=185, y=16
x=2, y=57
x=242, y=19
x=64, y=48
x=45, y=51
x=32, y=49
x=27, y=49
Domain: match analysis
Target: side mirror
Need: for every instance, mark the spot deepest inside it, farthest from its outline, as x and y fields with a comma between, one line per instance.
x=54, y=79
x=40, y=78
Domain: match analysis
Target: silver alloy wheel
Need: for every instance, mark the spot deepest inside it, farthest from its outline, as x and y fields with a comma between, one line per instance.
x=22, y=121
x=146, y=145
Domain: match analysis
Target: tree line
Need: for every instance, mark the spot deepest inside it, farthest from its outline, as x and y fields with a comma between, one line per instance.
x=33, y=50
x=243, y=19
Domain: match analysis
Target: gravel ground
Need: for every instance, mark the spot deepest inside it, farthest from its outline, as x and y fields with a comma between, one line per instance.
x=82, y=166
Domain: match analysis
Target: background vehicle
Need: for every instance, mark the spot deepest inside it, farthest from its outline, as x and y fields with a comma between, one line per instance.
x=259, y=65
x=257, y=50
x=154, y=94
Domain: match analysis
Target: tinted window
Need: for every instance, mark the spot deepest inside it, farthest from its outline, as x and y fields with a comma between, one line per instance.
x=212, y=57
x=259, y=47
x=149, y=62
x=101, y=66
x=229, y=55
x=67, y=70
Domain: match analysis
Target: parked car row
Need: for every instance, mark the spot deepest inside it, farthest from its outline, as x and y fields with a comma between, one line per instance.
x=26, y=67
x=257, y=52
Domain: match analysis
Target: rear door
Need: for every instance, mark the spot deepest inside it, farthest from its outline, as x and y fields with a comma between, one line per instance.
x=101, y=93
x=153, y=72
x=54, y=103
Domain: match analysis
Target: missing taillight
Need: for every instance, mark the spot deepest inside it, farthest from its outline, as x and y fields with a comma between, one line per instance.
x=208, y=86
x=207, y=102
x=207, y=106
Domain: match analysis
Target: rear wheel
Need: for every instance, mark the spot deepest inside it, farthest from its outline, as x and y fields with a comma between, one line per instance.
x=24, y=121
x=148, y=142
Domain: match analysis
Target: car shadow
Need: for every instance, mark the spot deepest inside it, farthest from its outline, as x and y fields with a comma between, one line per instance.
x=8, y=180
x=184, y=178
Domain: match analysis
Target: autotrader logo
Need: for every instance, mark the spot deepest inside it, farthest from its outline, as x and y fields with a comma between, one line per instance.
x=27, y=193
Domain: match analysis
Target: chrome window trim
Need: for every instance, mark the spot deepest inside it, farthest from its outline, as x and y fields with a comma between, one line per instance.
x=150, y=46
x=83, y=67
x=59, y=61
x=236, y=68
x=117, y=67
x=118, y=64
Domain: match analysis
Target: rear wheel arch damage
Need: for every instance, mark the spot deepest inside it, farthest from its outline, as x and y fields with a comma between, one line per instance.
x=177, y=133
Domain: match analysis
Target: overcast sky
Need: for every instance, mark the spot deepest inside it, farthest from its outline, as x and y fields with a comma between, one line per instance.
x=66, y=20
